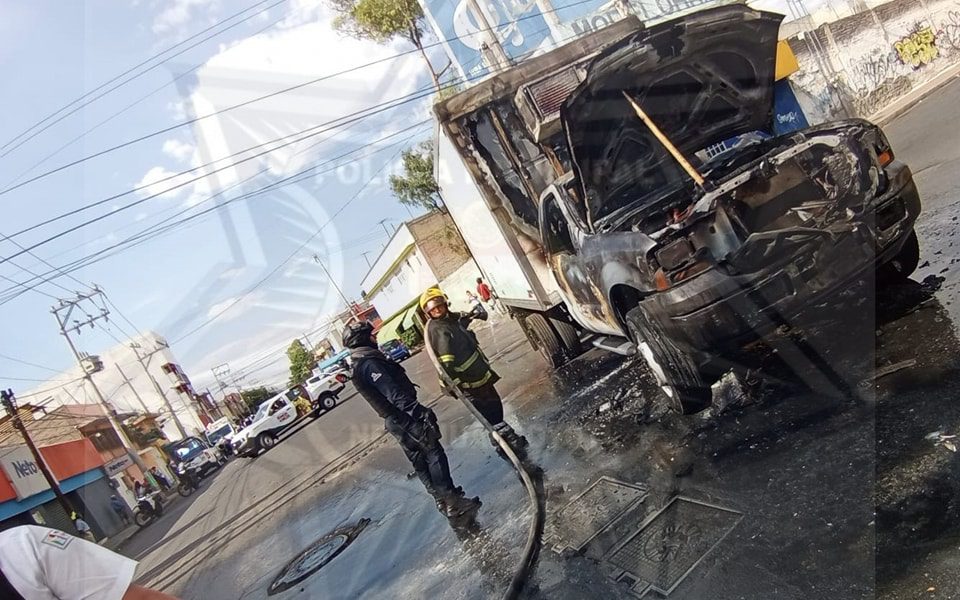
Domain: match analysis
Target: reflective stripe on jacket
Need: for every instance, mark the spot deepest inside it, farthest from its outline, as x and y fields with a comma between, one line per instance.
x=458, y=352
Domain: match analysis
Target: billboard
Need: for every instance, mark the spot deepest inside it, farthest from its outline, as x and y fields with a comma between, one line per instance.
x=519, y=26
x=528, y=27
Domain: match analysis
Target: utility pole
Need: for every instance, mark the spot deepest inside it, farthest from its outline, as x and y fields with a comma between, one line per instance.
x=136, y=394
x=383, y=223
x=156, y=386
x=68, y=306
x=349, y=304
x=10, y=403
x=498, y=56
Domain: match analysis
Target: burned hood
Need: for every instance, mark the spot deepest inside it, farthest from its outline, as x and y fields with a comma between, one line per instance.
x=701, y=78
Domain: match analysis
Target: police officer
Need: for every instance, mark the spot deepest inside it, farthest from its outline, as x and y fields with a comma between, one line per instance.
x=385, y=386
x=36, y=562
x=459, y=354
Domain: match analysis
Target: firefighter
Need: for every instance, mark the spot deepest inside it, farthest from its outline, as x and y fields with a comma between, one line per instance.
x=460, y=357
x=385, y=386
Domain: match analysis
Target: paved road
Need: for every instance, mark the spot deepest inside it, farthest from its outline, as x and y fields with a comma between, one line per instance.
x=842, y=495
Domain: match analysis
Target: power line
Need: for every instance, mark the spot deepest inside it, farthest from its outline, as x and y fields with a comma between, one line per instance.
x=290, y=257
x=159, y=229
x=116, y=114
x=29, y=364
x=352, y=118
x=254, y=100
x=6, y=147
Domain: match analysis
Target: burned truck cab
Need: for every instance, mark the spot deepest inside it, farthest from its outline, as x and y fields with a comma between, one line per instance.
x=669, y=214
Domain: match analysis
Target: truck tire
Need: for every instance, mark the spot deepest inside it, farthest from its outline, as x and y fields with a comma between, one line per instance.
x=677, y=372
x=569, y=337
x=266, y=441
x=901, y=266
x=327, y=401
x=544, y=338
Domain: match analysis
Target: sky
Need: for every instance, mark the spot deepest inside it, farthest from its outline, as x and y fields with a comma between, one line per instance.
x=241, y=280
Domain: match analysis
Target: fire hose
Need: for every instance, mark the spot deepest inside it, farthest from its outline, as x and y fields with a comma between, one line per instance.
x=532, y=547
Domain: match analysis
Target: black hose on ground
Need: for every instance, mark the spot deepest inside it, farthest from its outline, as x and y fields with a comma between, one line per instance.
x=532, y=548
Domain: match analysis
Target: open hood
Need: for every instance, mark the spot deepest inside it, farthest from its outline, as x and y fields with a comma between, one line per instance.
x=702, y=78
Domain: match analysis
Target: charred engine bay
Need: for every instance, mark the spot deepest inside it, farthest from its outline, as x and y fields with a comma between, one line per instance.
x=769, y=202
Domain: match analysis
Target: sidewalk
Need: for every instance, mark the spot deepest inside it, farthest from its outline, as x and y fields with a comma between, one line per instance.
x=117, y=540
x=914, y=96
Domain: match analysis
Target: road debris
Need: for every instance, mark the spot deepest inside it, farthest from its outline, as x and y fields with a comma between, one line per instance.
x=889, y=369
x=942, y=439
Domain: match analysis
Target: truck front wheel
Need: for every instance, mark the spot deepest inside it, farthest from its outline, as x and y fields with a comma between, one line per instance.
x=542, y=337
x=677, y=372
x=569, y=337
x=266, y=441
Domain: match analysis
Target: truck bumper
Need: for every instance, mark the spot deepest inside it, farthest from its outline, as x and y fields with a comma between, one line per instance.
x=715, y=312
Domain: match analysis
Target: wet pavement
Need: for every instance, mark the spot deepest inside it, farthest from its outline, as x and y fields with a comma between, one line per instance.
x=834, y=476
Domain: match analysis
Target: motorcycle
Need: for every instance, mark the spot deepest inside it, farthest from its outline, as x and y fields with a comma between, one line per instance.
x=147, y=512
x=189, y=482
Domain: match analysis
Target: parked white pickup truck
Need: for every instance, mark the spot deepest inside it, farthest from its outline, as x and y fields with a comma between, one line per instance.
x=324, y=388
x=272, y=418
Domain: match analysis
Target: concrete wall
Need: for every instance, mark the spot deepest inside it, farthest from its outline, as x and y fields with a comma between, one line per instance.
x=440, y=243
x=859, y=64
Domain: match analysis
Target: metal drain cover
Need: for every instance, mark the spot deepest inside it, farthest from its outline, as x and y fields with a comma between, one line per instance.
x=316, y=556
x=593, y=511
x=671, y=543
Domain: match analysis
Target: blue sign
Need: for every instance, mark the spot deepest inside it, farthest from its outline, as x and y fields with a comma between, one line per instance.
x=787, y=114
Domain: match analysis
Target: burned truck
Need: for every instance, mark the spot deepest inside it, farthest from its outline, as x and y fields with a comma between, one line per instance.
x=628, y=189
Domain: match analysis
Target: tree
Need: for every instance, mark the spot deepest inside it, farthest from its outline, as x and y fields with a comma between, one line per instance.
x=302, y=362
x=382, y=21
x=256, y=396
x=417, y=186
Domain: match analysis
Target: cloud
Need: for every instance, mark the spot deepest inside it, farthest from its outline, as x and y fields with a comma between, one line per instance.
x=179, y=12
x=285, y=57
x=179, y=150
x=158, y=180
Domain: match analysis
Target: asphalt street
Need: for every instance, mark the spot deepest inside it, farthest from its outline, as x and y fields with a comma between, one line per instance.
x=837, y=477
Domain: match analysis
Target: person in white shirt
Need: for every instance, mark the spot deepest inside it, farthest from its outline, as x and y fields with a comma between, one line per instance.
x=37, y=563
x=83, y=528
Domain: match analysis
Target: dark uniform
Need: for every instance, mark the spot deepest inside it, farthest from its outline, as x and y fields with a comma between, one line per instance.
x=385, y=386
x=458, y=351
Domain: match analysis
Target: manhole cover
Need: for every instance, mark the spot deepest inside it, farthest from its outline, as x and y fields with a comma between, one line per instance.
x=671, y=543
x=595, y=509
x=316, y=556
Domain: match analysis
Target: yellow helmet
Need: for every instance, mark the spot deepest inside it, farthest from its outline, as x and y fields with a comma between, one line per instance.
x=428, y=297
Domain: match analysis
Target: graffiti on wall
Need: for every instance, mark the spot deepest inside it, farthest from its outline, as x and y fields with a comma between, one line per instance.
x=918, y=48
x=950, y=30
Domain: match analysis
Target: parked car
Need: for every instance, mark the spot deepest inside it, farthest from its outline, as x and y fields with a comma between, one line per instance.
x=395, y=350
x=324, y=389
x=195, y=455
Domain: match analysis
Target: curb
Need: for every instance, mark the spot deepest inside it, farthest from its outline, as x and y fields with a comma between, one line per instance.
x=903, y=104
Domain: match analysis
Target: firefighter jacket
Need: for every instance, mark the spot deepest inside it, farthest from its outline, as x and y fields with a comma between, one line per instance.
x=458, y=352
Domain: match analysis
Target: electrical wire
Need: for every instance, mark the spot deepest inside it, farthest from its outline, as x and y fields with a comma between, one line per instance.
x=352, y=118
x=152, y=232
x=123, y=110
x=254, y=100
x=292, y=254
x=28, y=363
x=6, y=147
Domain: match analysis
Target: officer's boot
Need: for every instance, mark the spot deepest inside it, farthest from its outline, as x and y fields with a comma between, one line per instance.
x=455, y=506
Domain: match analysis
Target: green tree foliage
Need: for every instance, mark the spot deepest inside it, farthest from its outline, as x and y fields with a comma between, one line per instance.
x=417, y=187
x=411, y=337
x=254, y=397
x=382, y=21
x=302, y=362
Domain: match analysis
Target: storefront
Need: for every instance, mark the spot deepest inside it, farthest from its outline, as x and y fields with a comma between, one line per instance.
x=26, y=497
